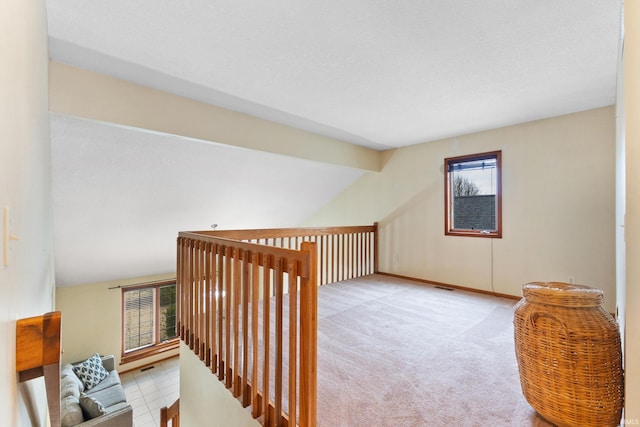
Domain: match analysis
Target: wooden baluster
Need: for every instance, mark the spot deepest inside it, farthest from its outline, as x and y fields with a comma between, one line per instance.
x=221, y=302
x=362, y=271
x=375, y=247
x=187, y=291
x=293, y=341
x=278, y=356
x=179, y=269
x=369, y=266
x=347, y=254
x=178, y=283
x=194, y=296
x=334, y=277
x=201, y=298
x=339, y=238
x=364, y=253
x=321, y=260
x=246, y=293
x=192, y=278
x=255, y=333
x=346, y=257
x=207, y=305
x=327, y=259
x=214, y=306
x=266, y=339
x=184, y=249
x=227, y=321
x=237, y=289
x=350, y=257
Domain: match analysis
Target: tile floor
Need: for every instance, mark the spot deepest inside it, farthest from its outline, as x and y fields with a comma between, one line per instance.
x=148, y=390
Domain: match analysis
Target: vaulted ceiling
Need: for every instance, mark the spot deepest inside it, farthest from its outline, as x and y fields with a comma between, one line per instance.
x=378, y=74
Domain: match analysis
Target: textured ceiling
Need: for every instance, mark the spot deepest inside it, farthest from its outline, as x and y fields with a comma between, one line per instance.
x=381, y=74
x=121, y=196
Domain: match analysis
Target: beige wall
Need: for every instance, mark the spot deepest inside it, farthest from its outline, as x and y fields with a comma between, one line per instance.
x=558, y=207
x=204, y=401
x=83, y=93
x=632, y=223
x=26, y=283
x=92, y=321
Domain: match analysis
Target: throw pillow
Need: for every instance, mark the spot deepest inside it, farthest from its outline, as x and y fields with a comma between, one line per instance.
x=70, y=412
x=91, y=407
x=68, y=387
x=91, y=371
x=67, y=371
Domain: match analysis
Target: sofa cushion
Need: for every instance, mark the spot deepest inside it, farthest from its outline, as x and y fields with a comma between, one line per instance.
x=68, y=387
x=91, y=408
x=67, y=371
x=70, y=412
x=110, y=380
x=91, y=371
x=109, y=396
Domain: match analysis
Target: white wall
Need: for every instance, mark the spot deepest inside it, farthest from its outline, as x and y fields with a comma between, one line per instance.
x=620, y=191
x=558, y=207
x=632, y=222
x=92, y=321
x=26, y=284
x=204, y=401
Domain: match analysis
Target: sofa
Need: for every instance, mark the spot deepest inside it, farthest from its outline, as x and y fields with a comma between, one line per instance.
x=91, y=394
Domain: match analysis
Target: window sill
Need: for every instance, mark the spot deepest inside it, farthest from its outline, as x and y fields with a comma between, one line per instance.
x=490, y=235
x=150, y=351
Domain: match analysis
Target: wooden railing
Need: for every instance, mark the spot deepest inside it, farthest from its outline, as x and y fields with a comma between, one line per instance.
x=343, y=252
x=170, y=416
x=247, y=306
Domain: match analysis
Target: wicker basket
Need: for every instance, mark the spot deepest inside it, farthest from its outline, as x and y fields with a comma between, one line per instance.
x=569, y=355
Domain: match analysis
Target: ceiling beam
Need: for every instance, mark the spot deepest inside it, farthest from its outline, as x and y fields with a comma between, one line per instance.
x=90, y=95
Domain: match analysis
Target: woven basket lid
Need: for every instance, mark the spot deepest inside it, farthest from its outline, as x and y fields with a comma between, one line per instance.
x=562, y=294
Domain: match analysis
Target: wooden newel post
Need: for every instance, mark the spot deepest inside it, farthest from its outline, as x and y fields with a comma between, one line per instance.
x=375, y=248
x=38, y=354
x=309, y=339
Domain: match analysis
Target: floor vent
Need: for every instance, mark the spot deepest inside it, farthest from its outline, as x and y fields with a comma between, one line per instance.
x=443, y=288
x=147, y=368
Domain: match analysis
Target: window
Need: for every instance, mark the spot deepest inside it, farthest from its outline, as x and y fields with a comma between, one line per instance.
x=473, y=195
x=148, y=320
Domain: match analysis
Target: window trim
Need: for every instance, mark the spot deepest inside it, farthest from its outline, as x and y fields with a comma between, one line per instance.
x=448, y=220
x=158, y=347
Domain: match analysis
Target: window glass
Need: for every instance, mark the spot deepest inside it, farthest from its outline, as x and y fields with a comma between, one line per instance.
x=473, y=197
x=149, y=316
x=167, y=312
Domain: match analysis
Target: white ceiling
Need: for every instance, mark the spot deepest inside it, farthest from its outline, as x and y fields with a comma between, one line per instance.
x=380, y=74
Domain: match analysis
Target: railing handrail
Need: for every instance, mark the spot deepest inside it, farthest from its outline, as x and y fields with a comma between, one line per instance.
x=271, y=233
x=264, y=250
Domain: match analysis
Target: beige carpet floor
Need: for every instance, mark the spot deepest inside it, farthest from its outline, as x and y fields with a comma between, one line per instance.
x=393, y=352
